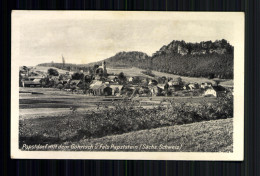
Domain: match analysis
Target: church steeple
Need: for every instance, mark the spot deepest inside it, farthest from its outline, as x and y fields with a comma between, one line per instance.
x=104, y=68
x=63, y=61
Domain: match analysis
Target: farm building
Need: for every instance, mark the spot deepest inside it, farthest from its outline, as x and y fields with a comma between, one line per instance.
x=33, y=83
x=116, y=89
x=99, y=90
x=215, y=91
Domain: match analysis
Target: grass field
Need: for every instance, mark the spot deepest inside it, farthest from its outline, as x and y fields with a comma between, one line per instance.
x=209, y=136
x=55, y=102
x=138, y=72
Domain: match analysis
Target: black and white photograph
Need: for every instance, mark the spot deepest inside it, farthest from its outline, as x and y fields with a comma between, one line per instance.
x=127, y=85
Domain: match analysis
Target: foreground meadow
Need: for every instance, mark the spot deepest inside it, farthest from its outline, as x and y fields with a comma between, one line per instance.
x=127, y=117
x=207, y=136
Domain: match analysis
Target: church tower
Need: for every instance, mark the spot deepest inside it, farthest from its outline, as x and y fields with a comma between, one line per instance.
x=104, y=68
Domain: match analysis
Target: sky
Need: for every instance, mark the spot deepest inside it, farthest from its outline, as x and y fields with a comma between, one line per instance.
x=86, y=40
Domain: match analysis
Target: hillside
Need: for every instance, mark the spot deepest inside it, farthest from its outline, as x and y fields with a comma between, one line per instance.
x=126, y=59
x=204, y=59
x=207, y=136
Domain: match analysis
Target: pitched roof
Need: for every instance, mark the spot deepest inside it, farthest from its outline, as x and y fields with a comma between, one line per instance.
x=96, y=83
x=95, y=87
x=112, y=77
x=116, y=86
x=31, y=82
x=161, y=85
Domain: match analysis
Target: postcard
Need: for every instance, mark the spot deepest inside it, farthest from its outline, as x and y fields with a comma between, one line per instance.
x=127, y=85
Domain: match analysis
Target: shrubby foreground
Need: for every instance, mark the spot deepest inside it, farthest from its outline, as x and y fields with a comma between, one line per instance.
x=124, y=117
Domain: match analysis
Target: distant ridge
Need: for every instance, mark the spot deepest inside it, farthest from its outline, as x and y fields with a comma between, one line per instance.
x=204, y=59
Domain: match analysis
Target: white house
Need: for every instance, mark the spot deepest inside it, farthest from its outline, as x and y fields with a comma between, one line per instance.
x=216, y=91
x=131, y=79
x=210, y=92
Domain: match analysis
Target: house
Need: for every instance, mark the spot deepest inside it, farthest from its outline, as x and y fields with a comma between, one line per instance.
x=215, y=91
x=155, y=90
x=95, y=82
x=28, y=83
x=113, y=78
x=205, y=85
x=210, y=92
x=185, y=87
x=108, y=91
x=32, y=82
x=163, y=86
x=152, y=82
x=116, y=89
x=173, y=83
x=193, y=86
x=55, y=77
x=130, y=79
x=99, y=90
x=174, y=88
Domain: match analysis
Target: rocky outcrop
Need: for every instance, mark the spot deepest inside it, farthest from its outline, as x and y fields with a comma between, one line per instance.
x=205, y=47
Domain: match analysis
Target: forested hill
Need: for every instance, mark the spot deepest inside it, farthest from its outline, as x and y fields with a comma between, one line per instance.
x=126, y=59
x=204, y=59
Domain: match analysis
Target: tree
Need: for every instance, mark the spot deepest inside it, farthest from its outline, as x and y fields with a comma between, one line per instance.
x=73, y=87
x=44, y=82
x=53, y=72
x=26, y=69
x=137, y=80
x=95, y=67
x=60, y=86
x=88, y=78
x=61, y=77
x=77, y=76
x=179, y=80
x=122, y=77
x=51, y=83
x=217, y=82
x=20, y=80
x=211, y=76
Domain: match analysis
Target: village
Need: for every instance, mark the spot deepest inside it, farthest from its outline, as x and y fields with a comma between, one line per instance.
x=98, y=82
